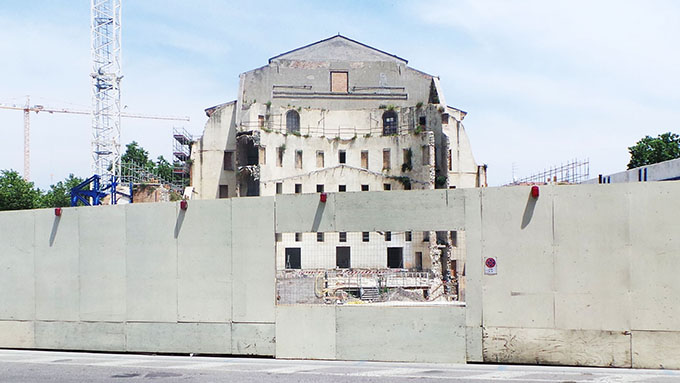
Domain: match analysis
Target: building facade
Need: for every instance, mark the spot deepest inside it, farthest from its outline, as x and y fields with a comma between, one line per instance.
x=335, y=116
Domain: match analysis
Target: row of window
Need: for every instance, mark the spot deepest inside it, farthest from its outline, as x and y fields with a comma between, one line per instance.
x=390, y=122
x=395, y=258
x=320, y=188
x=365, y=236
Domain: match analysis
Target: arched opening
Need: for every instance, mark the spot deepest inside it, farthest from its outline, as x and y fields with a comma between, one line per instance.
x=390, y=123
x=292, y=121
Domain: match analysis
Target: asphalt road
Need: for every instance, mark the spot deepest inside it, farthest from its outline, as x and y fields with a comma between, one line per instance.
x=43, y=366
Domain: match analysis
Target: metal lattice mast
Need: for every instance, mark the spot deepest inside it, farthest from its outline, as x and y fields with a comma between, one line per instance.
x=106, y=75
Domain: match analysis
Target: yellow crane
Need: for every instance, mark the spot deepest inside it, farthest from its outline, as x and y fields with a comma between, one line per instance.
x=28, y=108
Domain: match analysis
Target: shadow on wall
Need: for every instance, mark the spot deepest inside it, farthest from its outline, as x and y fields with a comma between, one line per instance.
x=318, y=215
x=528, y=211
x=55, y=227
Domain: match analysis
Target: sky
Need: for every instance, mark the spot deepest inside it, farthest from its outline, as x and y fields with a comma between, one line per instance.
x=543, y=82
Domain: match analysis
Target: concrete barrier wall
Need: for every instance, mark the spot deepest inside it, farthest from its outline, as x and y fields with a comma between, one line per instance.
x=587, y=275
x=141, y=277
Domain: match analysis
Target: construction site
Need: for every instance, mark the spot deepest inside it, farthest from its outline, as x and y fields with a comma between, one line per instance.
x=334, y=210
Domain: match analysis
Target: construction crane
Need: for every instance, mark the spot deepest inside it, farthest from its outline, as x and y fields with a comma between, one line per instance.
x=27, y=108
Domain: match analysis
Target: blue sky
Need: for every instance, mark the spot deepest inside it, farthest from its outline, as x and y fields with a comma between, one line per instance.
x=543, y=81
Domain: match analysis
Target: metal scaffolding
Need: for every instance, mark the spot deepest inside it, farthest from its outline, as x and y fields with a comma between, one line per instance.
x=573, y=172
x=105, y=29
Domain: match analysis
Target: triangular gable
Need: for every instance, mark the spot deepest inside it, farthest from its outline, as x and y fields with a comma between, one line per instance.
x=337, y=48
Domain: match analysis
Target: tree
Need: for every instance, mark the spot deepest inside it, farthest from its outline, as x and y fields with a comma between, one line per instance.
x=650, y=150
x=16, y=193
x=135, y=154
x=164, y=169
x=59, y=194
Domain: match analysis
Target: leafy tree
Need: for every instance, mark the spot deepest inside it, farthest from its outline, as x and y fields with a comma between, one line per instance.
x=59, y=194
x=163, y=169
x=650, y=150
x=135, y=154
x=16, y=193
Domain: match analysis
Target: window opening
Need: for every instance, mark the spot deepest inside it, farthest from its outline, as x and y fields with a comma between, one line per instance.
x=342, y=257
x=293, y=121
x=395, y=257
x=293, y=260
x=390, y=123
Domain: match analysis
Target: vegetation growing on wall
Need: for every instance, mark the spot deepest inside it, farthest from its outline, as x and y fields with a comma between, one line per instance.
x=407, y=165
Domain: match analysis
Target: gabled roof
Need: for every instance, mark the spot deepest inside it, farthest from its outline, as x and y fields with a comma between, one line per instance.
x=338, y=47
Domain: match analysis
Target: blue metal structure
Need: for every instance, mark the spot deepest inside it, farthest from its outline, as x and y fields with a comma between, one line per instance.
x=91, y=193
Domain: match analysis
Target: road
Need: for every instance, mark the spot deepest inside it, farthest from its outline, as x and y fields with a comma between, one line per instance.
x=21, y=366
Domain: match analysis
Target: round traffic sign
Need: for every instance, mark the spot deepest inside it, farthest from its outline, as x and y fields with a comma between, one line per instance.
x=490, y=263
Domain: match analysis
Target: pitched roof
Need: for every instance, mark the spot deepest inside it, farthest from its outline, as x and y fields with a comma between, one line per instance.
x=330, y=47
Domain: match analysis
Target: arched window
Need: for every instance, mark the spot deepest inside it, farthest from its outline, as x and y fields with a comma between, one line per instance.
x=390, y=123
x=292, y=121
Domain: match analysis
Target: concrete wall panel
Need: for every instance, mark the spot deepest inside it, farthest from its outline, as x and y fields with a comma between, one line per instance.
x=95, y=336
x=253, y=339
x=17, y=334
x=409, y=334
x=102, y=263
x=253, y=260
x=204, y=262
x=56, y=265
x=200, y=338
x=366, y=211
x=297, y=324
x=17, y=278
x=656, y=349
x=305, y=213
x=151, y=263
x=556, y=346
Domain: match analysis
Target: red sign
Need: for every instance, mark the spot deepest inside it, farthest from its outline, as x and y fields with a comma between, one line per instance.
x=490, y=263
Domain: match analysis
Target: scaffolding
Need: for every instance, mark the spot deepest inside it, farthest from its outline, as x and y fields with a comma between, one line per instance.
x=181, y=150
x=573, y=172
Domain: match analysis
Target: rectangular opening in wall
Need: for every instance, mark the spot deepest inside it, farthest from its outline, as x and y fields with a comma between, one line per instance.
x=298, y=188
x=263, y=155
x=388, y=236
x=454, y=238
x=339, y=82
x=395, y=257
x=450, y=160
x=319, y=159
x=364, y=159
x=422, y=121
x=279, y=155
x=224, y=191
x=342, y=257
x=319, y=188
x=426, y=155
x=293, y=258
x=387, y=187
x=386, y=159
x=445, y=118
x=342, y=156
x=406, y=156
x=279, y=188
x=260, y=121
x=228, y=162
x=298, y=159
x=382, y=270
x=342, y=188
x=364, y=187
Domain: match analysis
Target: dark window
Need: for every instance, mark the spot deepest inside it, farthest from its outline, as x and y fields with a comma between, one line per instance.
x=388, y=236
x=224, y=191
x=279, y=156
x=387, y=187
x=342, y=257
x=364, y=159
x=445, y=118
x=279, y=188
x=298, y=237
x=293, y=258
x=364, y=187
x=450, y=160
x=343, y=236
x=342, y=157
x=298, y=188
x=278, y=237
x=422, y=120
x=390, y=123
x=365, y=236
x=408, y=236
x=386, y=159
x=319, y=158
x=319, y=188
x=426, y=236
x=395, y=257
x=342, y=188
x=454, y=238
x=319, y=237
x=228, y=161
x=298, y=159
x=260, y=121
x=419, y=261
x=292, y=121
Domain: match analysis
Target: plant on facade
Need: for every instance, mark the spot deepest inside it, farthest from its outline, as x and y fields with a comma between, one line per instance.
x=268, y=104
x=367, y=135
x=282, y=148
x=419, y=104
x=295, y=133
x=440, y=181
x=391, y=107
x=405, y=181
x=419, y=129
x=382, y=106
